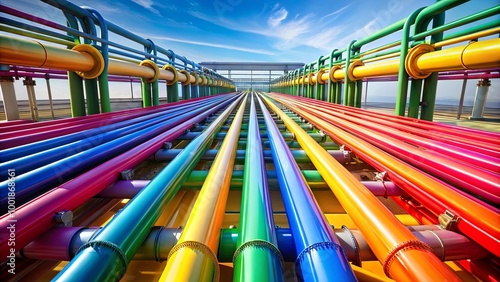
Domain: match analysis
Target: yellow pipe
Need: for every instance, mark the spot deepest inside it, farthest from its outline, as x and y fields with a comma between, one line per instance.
x=193, y=257
x=476, y=55
x=368, y=276
x=467, y=37
x=384, y=68
x=32, y=53
x=382, y=230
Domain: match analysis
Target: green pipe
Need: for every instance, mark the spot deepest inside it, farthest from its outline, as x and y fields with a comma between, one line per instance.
x=186, y=89
x=257, y=257
x=474, y=29
x=358, y=94
x=415, y=93
x=173, y=92
x=36, y=36
x=104, y=91
x=402, y=74
x=430, y=83
x=76, y=96
x=92, y=96
x=106, y=256
x=379, y=34
x=348, y=85
x=425, y=17
x=156, y=93
x=462, y=21
x=146, y=93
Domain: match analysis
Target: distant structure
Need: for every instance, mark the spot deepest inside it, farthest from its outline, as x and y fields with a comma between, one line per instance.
x=252, y=75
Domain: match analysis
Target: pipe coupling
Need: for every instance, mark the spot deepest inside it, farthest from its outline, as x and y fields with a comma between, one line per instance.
x=412, y=59
x=150, y=64
x=173, y=70
x=200, y=247
x=188, y=77
x=96, y=56
x=195, y=78
x=319, y=75
x=350, y=71
x=259, y=244
x=332, y=72
x=399, y=249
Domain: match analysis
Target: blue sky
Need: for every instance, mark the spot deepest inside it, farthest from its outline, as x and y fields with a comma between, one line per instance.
x=252, y=30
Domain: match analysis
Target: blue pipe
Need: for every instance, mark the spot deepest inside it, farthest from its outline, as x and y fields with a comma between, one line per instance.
x=94, y=137
x=106, y=257
x=38, y=180
x=320, y=255
x=33, y=148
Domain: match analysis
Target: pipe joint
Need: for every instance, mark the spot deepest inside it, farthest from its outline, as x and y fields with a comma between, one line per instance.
x=319, y=75
x=350, y=71
x=259, y=244
x=197, y=246
x=96, y=57
x=401, y=248
x=355, y=245
x=152, y=65
x=412, y=59
x=188, y=77
x=97, y=245
x=318, y=246
x=173, y=70
x=332, y=72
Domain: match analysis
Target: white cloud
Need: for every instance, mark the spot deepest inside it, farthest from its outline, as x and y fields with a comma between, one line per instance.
x=148, y=4
x=275, y=19
x=200, y=43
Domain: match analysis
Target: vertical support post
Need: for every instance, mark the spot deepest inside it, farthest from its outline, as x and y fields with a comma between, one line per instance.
x=77, y=98
x=9, y=98
x=131, y=88
x=92, y=96
x=480, y=100
x=49, y=92
x=349, y=87
x=156, y=93
x=366, y=94
x=30, y=88
x=462, y=96
x=358, y=92
x=415, y=93
x=146, y=93
x=430, y=83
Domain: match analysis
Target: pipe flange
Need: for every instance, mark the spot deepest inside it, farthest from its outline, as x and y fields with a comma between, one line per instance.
x=259, y=244
x=405, y=246
x=96, y=56
x=319, y=79
x=188, y=78
x=357, y=262
x=195, y=78
x=152, y=65
x=332, y=72
x=354, y=64
x=109, y=245
x=173, y=70
x=310, y=78
x=412, y=58
x=204, y=80
x=319, y=245
x=197, y=246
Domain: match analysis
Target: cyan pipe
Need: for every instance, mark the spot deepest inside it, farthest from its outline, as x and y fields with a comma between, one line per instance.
x=321, y=256
x=107, y=256
x=36, y=181
x=257, y=256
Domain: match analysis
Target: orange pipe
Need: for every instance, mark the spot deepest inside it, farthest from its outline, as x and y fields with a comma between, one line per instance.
x=403, y=256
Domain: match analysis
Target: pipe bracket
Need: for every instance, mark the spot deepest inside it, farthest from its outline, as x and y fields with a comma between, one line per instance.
x=399, y=249
x=319, y=75
x=448, y=220
x=198, y=246
x=412, y=58
x=152, y=65
x=188, y=77
x=95, y=244
x=195, y=78
x=173, y=70
x=96, y=56
x=382, y=177
x=259, y=244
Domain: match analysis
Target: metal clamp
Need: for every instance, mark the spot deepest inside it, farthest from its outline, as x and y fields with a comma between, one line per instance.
x=448, y=220
x=381, y=176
